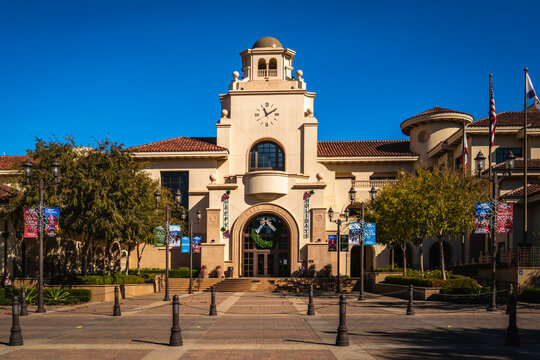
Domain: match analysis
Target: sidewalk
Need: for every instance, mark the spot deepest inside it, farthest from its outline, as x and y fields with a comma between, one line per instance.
x=271, y=326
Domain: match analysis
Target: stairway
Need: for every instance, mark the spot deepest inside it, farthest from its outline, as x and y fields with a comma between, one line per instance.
x=246, y=284
x=182, y=284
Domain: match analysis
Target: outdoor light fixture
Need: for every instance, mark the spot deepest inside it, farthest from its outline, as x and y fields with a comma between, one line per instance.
x=27, y=170
x=199, y=215
x=177, y=197
x=157, y=196
x=480, y=161
x=184, y=215
x=373, y=193
x=331, y=214
x=510, y=162
x=352, y=194
x=347, y=213
x=339, y=221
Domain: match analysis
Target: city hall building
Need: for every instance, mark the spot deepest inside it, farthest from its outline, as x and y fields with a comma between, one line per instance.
x=264, y=182
x=266, y=177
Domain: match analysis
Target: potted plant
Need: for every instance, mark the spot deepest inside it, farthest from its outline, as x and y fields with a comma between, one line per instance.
x=311, y=272
x=328, y=270
x=219, y=271
x=204, y=272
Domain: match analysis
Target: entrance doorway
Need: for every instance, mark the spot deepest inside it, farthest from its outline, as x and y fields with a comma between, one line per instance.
x=265, y=246
x=369, y=256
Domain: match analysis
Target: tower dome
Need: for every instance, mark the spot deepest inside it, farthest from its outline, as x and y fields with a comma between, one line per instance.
x=267, y=42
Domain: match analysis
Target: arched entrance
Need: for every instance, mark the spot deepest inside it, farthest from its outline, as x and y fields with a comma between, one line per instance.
x=244, y=220
x=369, y=256
x=265, y=244
x=398, y=256
x=435, y=257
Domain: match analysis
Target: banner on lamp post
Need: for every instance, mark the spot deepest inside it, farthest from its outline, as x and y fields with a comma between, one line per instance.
x=31, y=220
x=184, y=248
x=482, y=217
x=51, y=215
x=332, y=242
x=344, y=243
x=505, y=217
x=355, y=233
x=369, y=233
x=175, y=233
x=196, y=244
x=159, y=236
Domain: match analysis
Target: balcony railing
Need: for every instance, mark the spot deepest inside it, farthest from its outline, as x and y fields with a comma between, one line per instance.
x=267, y=73
x=368, y=184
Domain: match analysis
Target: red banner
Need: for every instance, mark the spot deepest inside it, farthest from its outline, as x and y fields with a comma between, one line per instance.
x=505, y=217
x=31, y=218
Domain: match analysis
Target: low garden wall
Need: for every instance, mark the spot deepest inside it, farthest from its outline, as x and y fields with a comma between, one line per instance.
x=106, y=292
x=420, y=293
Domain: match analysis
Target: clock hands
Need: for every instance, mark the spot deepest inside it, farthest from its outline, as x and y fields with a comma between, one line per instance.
x=265, y=113
x=271, y=112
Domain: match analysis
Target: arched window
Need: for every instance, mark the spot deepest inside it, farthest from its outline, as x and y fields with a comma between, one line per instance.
x=272, y=64
x=262, y=64
x=266, y=155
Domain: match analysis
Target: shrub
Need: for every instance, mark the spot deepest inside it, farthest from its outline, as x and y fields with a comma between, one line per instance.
x=453, y=281
x=531, y=295
x=51, y=296
x=99, y=280
x=182, y=272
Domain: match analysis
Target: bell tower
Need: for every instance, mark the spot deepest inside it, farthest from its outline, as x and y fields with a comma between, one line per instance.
x=267, y=60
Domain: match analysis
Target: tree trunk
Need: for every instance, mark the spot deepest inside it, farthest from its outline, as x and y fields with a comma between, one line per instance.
x=392, y=256
x=108, y=259
x=404, y=251
x=421, y=248
x=127, y=259
x=139, y=257
x=86, y=257
x=441, y=255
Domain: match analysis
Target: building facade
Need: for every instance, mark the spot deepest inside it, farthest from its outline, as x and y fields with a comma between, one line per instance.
x=264, y=183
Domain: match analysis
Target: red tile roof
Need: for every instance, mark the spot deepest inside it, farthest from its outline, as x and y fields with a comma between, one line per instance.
x=364, y=148
x=512, y=118
x=12, y=162
x=5, y=192
x=533, y=164
x=436, y=110
x=180, y=144
x=532, y=189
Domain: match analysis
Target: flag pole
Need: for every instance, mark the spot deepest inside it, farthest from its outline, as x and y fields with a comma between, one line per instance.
x=525, y=163
x=490, y=136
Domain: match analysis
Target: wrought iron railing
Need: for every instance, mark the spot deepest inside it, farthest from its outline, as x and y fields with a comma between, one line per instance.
x=267, y=73
x=368, y=184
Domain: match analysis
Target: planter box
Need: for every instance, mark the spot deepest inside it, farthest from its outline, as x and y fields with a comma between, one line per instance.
x=106, y=292
x=420, y=293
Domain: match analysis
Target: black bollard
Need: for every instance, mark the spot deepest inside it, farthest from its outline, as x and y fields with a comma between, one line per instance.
x=512, y=332
x=310, y=307
x=176, y=332
x=116, y=308
x=342, y=338
x=410, y=306
x=15, y=339
x=24, y=306
x=213, y=310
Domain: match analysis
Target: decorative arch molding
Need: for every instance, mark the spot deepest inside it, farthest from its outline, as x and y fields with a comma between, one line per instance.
x=243, y=219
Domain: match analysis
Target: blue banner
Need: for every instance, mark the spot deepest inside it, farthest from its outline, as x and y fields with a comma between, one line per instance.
x=184, y=249
x=51, y=218
x=369, y=233
x=174, y=235
x=482, y=218
x=332, y=242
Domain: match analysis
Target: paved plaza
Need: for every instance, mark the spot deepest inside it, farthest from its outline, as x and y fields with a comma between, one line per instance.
x=254, y=325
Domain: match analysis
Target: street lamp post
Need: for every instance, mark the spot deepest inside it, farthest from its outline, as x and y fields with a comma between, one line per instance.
x=55, y=169
x=372, y=193
x=177, y=201
x=190, y=222
x=480, y=165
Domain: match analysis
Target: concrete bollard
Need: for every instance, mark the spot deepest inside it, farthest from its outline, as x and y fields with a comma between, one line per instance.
x=15, y=339
x=342, y=338
x=24, y=306
x=512, y=332
x=213, y=310
x=176, y=332
x=311, y=308
x=116, y=308
x=410, y=306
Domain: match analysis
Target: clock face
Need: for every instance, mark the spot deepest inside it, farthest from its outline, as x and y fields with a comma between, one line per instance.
x=266, y=114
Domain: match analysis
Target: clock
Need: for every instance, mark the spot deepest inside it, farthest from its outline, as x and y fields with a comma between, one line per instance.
x=266, y=114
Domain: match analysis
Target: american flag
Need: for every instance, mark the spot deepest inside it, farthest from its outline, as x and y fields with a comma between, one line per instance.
x=492, y=113
x=464, y=150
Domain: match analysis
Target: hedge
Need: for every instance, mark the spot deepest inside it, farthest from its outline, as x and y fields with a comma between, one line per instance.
x=183, y=272
x=75, y=296
x=99, y=280
x=456, y=281
x=531, y=295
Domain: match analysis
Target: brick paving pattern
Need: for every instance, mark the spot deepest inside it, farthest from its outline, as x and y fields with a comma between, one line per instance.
x=271, y=326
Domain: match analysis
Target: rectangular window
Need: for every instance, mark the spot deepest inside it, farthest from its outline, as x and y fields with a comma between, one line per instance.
x=502, y=153
x=177, y=180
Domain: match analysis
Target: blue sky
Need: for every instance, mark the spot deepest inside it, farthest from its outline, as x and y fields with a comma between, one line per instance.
x=142, y=71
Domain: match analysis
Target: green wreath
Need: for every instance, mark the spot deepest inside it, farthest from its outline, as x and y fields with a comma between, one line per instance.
x=264, y=244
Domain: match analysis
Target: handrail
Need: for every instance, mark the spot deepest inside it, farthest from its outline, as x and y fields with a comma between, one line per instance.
x=368, y=184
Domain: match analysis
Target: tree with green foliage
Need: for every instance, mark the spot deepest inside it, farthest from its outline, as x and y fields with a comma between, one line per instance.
x=436, y=203
x=104, y=195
